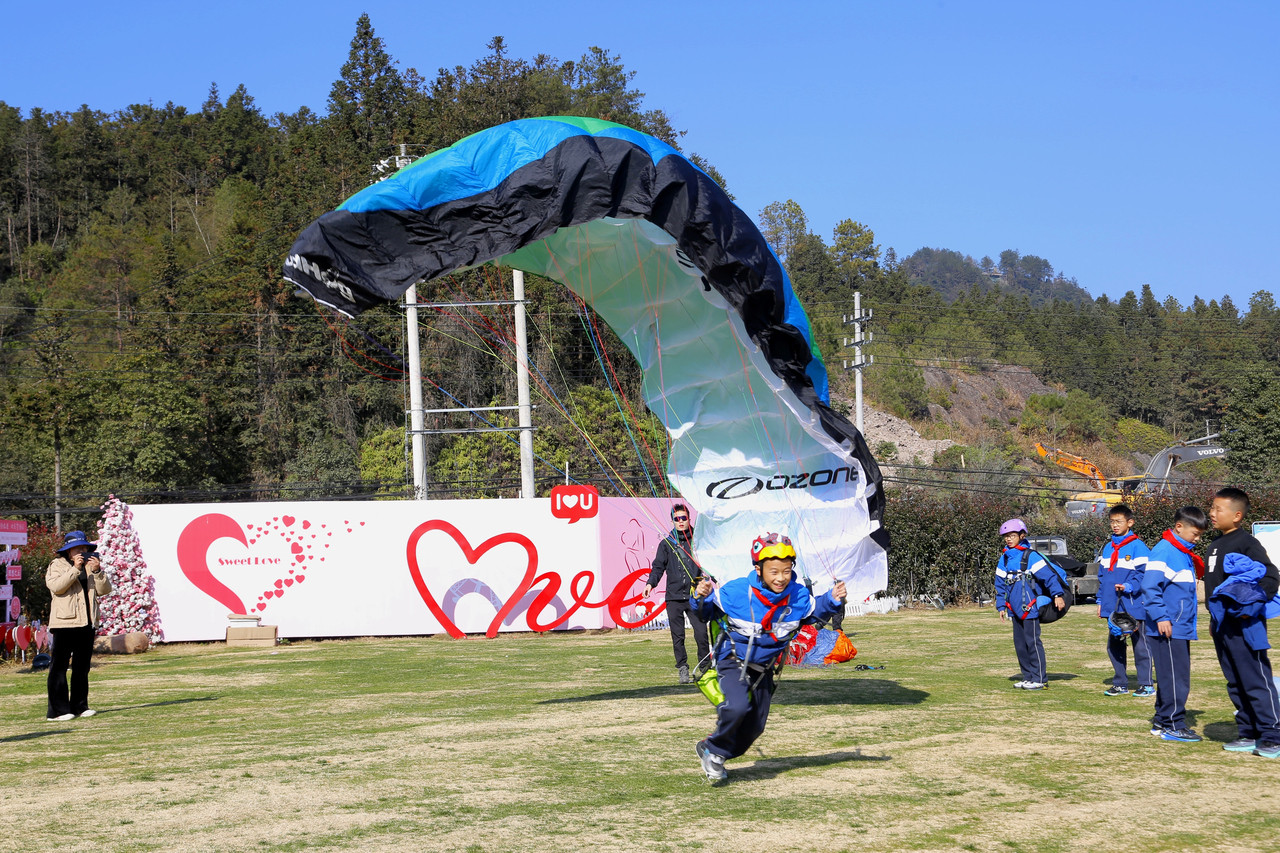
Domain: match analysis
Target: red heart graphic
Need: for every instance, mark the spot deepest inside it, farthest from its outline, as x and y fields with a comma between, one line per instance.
x=270, y=593
x=262, y=607
x=251, y=541
x=299, y=557
x=288, y=520
x=362, y=524
x=348, y=529
x=472, y=554
x=295, y=548
x=306, y=525
x=288, y=581
x=193, y=549
x=277, y=584
x=300, y=578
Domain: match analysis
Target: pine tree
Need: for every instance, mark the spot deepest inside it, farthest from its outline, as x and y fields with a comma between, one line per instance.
x=131, y=606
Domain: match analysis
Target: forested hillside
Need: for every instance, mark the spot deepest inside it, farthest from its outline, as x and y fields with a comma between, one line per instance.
x=953, y=275
x=1122, y=364
x=149, y=346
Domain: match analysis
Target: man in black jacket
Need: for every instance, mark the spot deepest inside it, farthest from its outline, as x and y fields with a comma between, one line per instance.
x=675, y=559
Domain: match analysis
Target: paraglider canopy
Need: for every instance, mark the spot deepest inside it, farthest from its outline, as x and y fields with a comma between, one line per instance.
x=682, y=276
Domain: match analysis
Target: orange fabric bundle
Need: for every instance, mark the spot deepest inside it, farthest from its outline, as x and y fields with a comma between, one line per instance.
x=843, y=651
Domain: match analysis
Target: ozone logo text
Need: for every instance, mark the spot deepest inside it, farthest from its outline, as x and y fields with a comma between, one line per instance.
x=732, y=488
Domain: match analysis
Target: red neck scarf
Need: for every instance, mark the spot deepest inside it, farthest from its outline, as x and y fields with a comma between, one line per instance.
x=1172, y=539
x=767, y=622
x=1115, y=553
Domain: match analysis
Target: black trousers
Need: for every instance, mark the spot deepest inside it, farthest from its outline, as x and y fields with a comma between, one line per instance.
x=676, y=611
x=1249, y=683
x=741, y=718
x=72, y=646
x=1173, y=680
x=1117, y=651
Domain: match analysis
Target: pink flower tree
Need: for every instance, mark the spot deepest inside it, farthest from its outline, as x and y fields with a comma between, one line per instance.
x=131, y=606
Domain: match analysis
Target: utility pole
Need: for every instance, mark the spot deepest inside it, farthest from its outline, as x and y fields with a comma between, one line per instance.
x=861, y=336
x=417, y=435
x=522, y=390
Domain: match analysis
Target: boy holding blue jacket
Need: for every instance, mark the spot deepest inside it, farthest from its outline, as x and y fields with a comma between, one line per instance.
x=764, y=611
x=1169, y=597
x=1122, y=563
x=1240, y=593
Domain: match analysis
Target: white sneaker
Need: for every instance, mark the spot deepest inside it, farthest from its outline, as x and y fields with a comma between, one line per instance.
x=61, y=719
x=1021, y=685
x=712, y=764
x=88, y=713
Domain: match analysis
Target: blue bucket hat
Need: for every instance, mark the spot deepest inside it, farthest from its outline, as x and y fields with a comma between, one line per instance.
x=73, y=539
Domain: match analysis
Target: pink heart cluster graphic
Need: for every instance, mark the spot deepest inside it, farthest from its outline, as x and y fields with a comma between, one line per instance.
x=302, y=539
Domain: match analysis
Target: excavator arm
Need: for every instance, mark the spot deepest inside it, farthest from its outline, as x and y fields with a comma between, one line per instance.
x=1075, y=463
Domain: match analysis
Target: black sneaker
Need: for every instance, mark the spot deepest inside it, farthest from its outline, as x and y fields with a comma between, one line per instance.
x=684, y=675
x=1183, y=735
x=1116, y=691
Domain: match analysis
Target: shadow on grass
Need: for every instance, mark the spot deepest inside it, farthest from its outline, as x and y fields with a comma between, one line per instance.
x=768, y=768
x=638, y=693
x=159, y=704
x=1223, y=732
x=34, y=735
x=849, y=691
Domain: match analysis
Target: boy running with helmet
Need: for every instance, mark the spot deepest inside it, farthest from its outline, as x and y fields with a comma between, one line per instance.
x=762, y=612
x=1122, y=562
x=1023, y=577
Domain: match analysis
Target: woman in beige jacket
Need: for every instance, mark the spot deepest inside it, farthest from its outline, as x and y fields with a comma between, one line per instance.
x=76, y=580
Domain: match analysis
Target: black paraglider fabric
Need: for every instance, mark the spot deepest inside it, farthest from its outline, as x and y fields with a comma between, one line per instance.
x=356, y=260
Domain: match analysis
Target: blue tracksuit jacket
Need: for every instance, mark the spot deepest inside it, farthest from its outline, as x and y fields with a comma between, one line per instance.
x=1169, y=590
x=1017, y=590
x=1130, y=567
x=743, y=602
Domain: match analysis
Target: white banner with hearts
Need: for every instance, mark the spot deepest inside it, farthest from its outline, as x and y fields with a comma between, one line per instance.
x=340, y=569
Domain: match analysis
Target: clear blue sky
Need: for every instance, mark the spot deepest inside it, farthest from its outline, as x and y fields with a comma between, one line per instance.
x=1128, y=143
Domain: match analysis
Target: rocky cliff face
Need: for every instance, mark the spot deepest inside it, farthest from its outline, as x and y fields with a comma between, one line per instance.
x=989, y=399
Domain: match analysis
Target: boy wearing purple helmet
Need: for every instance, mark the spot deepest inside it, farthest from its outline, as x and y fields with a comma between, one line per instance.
x=1022, y=576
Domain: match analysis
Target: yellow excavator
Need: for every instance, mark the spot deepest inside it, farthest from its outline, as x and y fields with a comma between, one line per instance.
x=1153, y=481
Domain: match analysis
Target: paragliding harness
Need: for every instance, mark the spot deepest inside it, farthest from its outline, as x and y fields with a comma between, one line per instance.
x=709, y=681
x=1048, y=614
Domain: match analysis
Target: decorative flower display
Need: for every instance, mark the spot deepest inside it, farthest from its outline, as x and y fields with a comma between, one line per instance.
x=131, y=606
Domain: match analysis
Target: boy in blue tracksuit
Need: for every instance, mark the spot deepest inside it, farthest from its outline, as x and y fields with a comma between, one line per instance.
x=1240, y=639
x=1024, y=581
x=1122, y=563
x=762, y=611
x=1169, y=597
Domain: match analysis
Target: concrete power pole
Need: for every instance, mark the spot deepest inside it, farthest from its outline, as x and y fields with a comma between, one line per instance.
x=860, y=337
x=418, y=439
x=522, y=390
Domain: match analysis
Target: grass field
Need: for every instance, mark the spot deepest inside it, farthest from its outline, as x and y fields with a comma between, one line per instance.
x=584, y=742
